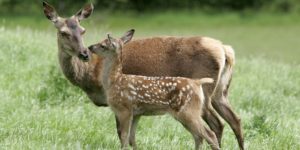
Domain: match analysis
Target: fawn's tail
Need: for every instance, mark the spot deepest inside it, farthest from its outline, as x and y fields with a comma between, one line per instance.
x=204, y=81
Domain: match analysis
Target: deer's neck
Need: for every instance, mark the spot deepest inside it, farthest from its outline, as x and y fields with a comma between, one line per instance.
x=112, y=69
x=77, y=71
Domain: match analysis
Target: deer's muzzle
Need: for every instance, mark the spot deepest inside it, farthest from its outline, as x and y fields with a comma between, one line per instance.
x=84, y=55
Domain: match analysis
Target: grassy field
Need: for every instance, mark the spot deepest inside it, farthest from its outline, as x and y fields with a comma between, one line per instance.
x=40, y=109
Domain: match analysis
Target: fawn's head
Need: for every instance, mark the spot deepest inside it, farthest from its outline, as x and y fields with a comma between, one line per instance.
x=111, y=47
x=69, y=30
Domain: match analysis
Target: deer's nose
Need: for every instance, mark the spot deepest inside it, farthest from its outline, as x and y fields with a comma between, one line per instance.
x=84, y=55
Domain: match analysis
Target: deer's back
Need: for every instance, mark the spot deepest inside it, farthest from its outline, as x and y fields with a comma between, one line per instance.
x=193, y=57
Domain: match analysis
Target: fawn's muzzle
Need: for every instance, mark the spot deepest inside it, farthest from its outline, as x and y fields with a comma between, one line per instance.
x=91, y=48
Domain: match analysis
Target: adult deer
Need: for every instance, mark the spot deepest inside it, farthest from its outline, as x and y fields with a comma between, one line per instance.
x=193, y=57
x=73, y=56
x=131, y=96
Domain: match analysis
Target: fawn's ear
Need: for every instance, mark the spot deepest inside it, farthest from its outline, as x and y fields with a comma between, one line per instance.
x=50, y=12
x=111, y=40
x=127, y=36
x=85, y=12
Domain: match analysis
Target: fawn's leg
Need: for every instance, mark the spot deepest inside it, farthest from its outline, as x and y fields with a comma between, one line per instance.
x=193, y=123
x=191, y=126
x=135, y=121
x=118, y=127
x=199, y=131
x=209, y=136
x=125, y=119
x=210, y=116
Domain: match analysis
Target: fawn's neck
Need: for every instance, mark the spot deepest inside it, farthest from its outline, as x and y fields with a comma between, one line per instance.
x=112, y=69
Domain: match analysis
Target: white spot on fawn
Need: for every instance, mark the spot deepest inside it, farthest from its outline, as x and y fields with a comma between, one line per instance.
x=131, y=86
x=129, y=98
x=133, y=92
x=180, y=95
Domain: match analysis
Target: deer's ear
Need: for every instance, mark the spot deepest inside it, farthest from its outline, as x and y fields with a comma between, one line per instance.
x=85, y=12
x=127, y=36
x=50, y=12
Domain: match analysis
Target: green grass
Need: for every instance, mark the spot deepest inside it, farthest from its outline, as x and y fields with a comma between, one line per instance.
x=40, y=109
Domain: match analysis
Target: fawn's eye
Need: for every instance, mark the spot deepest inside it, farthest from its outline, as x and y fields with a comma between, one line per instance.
x=103, y=47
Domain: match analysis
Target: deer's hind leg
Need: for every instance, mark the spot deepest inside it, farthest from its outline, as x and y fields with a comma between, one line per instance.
x=223, y=107
x=225, y=110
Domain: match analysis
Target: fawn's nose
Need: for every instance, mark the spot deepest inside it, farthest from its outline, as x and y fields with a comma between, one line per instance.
x=91, y=48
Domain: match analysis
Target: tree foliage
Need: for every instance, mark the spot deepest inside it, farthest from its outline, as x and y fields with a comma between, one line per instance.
x=155, y=5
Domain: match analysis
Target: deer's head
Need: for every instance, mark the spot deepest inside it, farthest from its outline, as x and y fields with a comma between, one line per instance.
x=69, y=30
x=111, y=46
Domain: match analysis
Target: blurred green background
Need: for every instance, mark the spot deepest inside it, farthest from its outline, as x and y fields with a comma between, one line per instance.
x=40, y=109
x=214, y=18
